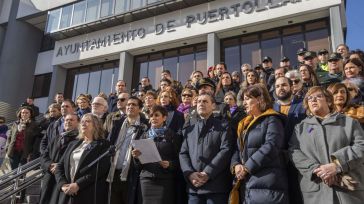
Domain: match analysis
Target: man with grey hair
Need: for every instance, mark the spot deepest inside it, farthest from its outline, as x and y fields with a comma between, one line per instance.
x=99, y=108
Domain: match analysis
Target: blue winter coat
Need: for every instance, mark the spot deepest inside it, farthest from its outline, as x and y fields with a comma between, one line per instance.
x=262, y=155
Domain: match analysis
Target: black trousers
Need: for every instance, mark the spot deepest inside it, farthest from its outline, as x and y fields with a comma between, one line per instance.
x=119, y=190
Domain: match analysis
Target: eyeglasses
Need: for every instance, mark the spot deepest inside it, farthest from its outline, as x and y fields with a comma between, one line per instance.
x=186, y=95
x=314, y=98
x=296, y=81
x=121, y=99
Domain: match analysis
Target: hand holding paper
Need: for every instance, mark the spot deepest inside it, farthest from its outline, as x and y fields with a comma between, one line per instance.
x=148, y=150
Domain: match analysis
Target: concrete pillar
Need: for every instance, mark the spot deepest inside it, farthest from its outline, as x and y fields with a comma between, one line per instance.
x=337, y=35
x=58, y=82
x=213, y=49
x=18, y=59
x=126, y=69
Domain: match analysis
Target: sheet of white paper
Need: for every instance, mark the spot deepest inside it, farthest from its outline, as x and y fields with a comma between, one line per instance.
x=148, y=149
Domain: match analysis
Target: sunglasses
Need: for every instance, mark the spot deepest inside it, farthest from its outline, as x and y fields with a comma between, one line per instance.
x=351, y=89
x=186, y=95
x=121, y=99
x=296, y=81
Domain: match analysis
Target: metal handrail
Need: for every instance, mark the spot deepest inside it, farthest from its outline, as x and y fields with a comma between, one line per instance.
x=18, y=180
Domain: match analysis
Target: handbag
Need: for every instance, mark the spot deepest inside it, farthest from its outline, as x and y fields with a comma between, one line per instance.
x=234, y=193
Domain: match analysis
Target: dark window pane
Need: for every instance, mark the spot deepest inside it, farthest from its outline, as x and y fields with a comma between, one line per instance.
x=143, y=70
x=201, y=62
x=94, y=83
x=106, y=81
x=154, y=72
x=316, y=25
x=250, y=38
x=41, y=85
x=82, y=84
x=270, y=34
x=272, y=48
x=186, y=67
x=317, y=40
x=79, y=13
x=116, y=76
x=187, y=50
x=250, y=53
x=232, y=58
x=292, y=30
x=290, y=46
x=230, y=42
x=171, y=65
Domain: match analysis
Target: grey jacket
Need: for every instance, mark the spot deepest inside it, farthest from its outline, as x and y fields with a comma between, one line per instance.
x=314, y=143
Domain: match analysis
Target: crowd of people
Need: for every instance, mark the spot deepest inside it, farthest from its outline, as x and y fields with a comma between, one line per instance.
x=287, y=134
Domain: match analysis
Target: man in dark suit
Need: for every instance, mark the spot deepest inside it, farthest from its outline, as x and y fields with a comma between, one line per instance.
x=205, y=156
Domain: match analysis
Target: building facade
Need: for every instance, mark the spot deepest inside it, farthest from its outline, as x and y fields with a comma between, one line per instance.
x=85, y=46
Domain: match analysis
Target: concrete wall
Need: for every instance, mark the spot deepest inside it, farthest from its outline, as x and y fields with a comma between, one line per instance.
x=44, y=63
x=18, y=59
x=31, y=7
x=5, y=7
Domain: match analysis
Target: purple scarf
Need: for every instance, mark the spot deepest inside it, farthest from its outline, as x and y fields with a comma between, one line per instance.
x=183, y=108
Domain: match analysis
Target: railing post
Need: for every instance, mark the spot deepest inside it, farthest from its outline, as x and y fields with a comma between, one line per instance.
x=13, y=198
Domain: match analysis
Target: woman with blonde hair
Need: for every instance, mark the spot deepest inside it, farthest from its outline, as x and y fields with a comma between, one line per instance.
x=77, y=183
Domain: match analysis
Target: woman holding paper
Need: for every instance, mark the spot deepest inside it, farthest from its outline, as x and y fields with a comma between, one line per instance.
x=157, y=180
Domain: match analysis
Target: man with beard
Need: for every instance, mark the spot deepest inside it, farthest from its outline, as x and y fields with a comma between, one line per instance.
x=292, y=107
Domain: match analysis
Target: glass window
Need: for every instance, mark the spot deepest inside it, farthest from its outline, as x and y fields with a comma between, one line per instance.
x=53, y=20
x=154, y=72
x=291, y=44
x=121, y=6
x=185, y=68
x=317, y=40
x=201, y=62
x=106, y=81
x=232, y=58
x=137, y=4
x=79, y=13
x=272, y=48
x=181, y=62
x=115, y=76
x=82, y=84
x=94, y=84
x=41, y=85
x=171, y=65
x=66, y=16
x=250, y=53
x=106, y=7
x=92, y=10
